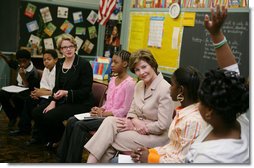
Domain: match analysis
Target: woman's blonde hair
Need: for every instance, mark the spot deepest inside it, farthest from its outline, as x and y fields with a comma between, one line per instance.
x=144, y=55
x=65, y=37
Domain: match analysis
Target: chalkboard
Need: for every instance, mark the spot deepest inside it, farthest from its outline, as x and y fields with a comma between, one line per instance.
x=57, y=22
x=197, y=49
x=9, y=14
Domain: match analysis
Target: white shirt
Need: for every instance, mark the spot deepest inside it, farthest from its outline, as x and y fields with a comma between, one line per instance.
x=221, y=150
x=48, y=78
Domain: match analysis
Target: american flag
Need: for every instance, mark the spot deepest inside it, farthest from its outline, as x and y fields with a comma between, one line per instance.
x=105, y=10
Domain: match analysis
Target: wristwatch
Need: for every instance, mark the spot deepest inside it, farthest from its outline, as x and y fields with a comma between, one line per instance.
x=174, y=10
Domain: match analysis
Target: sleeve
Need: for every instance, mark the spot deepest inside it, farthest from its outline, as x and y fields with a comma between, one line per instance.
x=131, y=113
x=233, y=67
x=13, y=64
x=85, y=80
x=153, y=156
x=33, y=79
x=43, y=82
x=187, y=136
x=128, y=90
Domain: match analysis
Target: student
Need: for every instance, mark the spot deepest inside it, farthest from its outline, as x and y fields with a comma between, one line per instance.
x=119, y=97
x=186, y=125
x=148, y=119
x=50, y=58
x=46, y=85
x=224, y=98
x=71, y=95
x=27, y=77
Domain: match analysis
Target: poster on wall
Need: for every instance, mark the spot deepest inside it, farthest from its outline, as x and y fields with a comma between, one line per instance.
x=47, y=22
x=112, y=38
x=113, y=31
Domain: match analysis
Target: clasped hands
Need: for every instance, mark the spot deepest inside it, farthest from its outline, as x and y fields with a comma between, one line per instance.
x=97, y=112
x=140, y=155
x=125, y=124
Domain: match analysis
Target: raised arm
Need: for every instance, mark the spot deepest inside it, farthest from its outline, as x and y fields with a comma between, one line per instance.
x=224, y=55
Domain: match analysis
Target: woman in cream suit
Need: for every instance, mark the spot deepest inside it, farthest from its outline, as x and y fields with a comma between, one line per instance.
x=148, y=119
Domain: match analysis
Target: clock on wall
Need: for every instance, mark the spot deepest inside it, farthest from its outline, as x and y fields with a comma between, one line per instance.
x=174, y=10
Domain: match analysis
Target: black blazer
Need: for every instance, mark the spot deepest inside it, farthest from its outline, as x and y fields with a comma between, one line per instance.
x=79, y=81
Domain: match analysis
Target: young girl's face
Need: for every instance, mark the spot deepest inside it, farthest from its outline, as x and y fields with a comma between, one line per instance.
x=48, y=61
x=117, y=64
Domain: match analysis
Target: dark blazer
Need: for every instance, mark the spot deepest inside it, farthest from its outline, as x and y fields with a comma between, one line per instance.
x=79, y=81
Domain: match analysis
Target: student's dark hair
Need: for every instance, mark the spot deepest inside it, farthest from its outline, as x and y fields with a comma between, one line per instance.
x=124, y=55
x=226, y=93
x=191, y=79
x=53, y=53
x=23, y=54
x=144, y=55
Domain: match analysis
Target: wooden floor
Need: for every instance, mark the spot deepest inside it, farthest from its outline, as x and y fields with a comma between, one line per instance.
x=14, y=150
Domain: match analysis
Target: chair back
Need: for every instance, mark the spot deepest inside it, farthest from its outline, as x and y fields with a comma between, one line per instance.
x=99, y=93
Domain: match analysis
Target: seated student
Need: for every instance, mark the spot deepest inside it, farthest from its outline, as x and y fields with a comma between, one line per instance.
x=148, y=119
x=72, y=93
x=118, y=102
x=186, y=125
x=12, y=103
x=224, y=97
x=46, y=85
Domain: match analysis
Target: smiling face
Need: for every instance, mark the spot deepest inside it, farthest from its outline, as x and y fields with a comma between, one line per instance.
x=67, y=48
x=145, y=72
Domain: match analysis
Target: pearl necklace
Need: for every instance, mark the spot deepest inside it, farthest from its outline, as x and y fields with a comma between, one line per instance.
x=65, y=71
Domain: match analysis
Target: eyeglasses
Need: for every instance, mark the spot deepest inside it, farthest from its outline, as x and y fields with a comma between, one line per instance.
x=67, y=47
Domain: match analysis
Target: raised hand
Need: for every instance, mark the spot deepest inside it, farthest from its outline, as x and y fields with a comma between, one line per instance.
x=214, y=24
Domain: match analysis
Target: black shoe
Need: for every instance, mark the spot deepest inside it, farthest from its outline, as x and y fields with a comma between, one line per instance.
x=18, y=133
x=33, y=141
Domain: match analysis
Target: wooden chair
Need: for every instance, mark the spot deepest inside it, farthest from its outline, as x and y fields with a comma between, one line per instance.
x=99, y=93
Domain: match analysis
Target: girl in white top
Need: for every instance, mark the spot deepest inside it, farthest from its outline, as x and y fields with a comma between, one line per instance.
x=224, y=97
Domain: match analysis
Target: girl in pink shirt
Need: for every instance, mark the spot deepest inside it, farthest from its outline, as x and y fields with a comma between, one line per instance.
x=119, y=98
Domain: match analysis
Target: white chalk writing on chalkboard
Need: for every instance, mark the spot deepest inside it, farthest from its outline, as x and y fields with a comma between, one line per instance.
x=197, y=44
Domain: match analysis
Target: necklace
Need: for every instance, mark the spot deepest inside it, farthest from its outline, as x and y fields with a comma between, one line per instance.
x=65, y=70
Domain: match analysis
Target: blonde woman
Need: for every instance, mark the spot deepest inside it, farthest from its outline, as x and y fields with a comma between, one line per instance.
x=71, y=95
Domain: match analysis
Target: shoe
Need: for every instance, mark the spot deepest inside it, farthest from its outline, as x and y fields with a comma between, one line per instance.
x=18, y=132
x=51, y=147
x=12, y=123
x=33, y=141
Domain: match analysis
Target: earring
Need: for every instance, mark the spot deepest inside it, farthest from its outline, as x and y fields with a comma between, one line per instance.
x=180, y=97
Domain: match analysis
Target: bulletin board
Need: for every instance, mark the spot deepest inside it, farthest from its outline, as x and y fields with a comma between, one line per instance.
x=87, y=34
x=167, y=56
